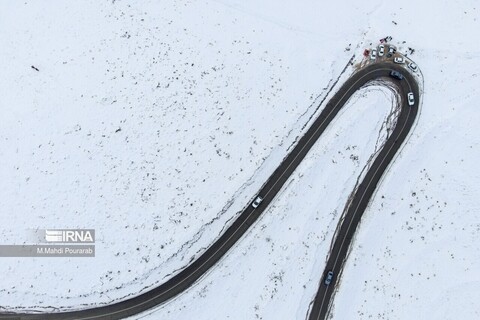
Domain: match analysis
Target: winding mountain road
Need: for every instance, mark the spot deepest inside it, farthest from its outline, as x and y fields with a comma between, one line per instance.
x=367, y=187
x=188, y=276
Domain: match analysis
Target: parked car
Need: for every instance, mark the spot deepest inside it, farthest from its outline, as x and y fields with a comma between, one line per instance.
x=413, y=66
x=391, y=51
x=396, y=75
x=328, y=278
x=399, y=60
x=373, y=54
x=411, y=99
x=257, y=202
x=381, y=50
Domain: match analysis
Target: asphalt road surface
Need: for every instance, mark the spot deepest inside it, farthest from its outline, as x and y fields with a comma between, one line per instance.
x=367, y=187
x=184, y=279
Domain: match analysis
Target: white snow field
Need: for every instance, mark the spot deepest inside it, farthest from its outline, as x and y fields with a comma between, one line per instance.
x=273, y=273
x=153, y=123
x=156, y=122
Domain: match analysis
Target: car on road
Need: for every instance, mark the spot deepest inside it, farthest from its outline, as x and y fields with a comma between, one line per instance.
x=257, y=202
x=391, y=51
x=328, y=278
x=399, y=60
x=411, y=99
x=396, y=75
x=381, y=50
x=373, y=54
x=413, y=66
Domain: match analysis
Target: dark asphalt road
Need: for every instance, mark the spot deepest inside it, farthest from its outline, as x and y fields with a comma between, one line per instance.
x=366, y=188
x=212, y=255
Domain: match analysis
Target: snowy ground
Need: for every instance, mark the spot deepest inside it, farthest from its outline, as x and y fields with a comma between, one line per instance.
x=208, y=96
x=416, y=255
x=151, y=123
x=273, y=272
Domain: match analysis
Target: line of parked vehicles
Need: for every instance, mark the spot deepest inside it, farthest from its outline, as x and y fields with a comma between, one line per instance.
x=391, y=51
x=398, y=60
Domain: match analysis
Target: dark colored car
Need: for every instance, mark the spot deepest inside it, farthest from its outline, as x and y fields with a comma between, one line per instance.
x=396, y=75
x=328, y=278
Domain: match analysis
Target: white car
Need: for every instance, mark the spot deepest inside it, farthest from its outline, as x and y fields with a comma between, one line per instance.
x=257, y=202
x=411, y=99
x=391, y=51
x=413, y=66
x=373, y=54
x=381, y=50
x=399, y=60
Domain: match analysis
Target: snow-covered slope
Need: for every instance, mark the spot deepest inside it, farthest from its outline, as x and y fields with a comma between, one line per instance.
x=273, y=272
x=155, y=123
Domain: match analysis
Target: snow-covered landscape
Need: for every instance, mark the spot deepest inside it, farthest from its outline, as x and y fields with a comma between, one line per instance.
x=156, y=122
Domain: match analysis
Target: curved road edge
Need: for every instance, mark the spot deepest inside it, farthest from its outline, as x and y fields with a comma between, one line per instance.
x=364, y=193
x=193, y=272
